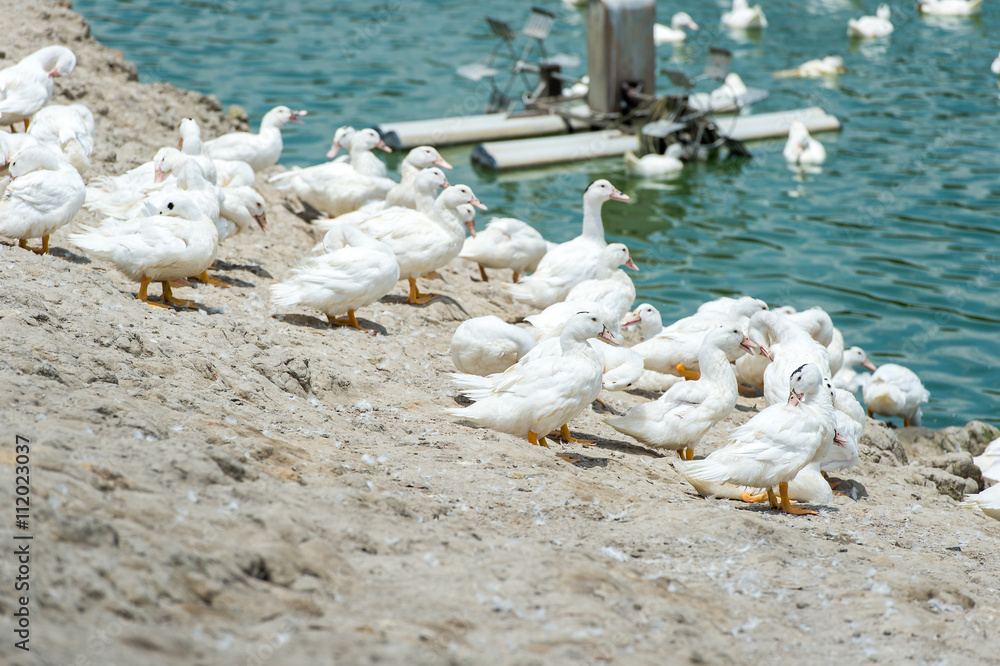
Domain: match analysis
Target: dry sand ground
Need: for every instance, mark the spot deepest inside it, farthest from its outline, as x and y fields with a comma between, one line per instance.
x=230, y=486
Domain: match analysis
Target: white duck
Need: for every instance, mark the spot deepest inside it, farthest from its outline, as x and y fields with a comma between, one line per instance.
x=259, y=150
x=621, y=366
x=44, y=193
x=359, y=272
x=610, y=293
x=418, y=159
x=27, y=86
x=850, y=424
x=728, y=94
x=790, y=347
x=650, y=324
x=989, y=461
x=744, y=17
x=424, y=243
x=10, y=145
x=647, y=318
x=567, y=264
x=871, y=27
x=679, y=343
x=847, y=377
x=488, y=345
x=336, y=188
x=801, y=148
x=341, y=139
x=895, y=391
x=679, y=418
x=987, y=501
x=673, y=33
x=950, y=7
x=191, y=145
x=831, y=65
x=537, y=395
x=652, y=164
x=506, y=242
x=115, y=196
x=175, y=241
x=771, y=448
x=995, y=66
x=239, y=209
x=68, y=129
x=424, y=188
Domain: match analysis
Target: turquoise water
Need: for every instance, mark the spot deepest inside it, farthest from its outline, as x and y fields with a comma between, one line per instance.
x=897, y=237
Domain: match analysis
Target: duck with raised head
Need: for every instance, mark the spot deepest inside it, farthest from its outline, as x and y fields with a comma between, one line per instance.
x=259, y=150
x=610, y=292
x=567, y=264
x=337, y=188
x=673, y=33
x=425, y=242
x=847, y=377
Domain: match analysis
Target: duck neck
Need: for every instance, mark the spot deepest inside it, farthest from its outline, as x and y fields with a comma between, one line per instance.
x=714, y=365
x=593, y=223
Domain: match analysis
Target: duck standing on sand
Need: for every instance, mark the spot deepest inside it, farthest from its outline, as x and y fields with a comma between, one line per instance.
x=27, y=86
x=172, y=242
x=44, y=194
x=679, y=418
x=771, y=448
x=539, y=394
x=358, y=272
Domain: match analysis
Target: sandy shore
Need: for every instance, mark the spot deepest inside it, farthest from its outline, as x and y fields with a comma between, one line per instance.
x=243, y=485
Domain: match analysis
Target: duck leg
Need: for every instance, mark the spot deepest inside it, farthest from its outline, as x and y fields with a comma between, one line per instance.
x=44, y=249
x=870, y=415
x=786, y=504
x=415, y=297
x=142, y=296
x=349, y=320
x=482, y=273
x=689, y=375
x=906, y=422
x=205, y=278
x=536, y=440
x=517, y=276
x=168, y=297
x=564, y=435
x=754, y=499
